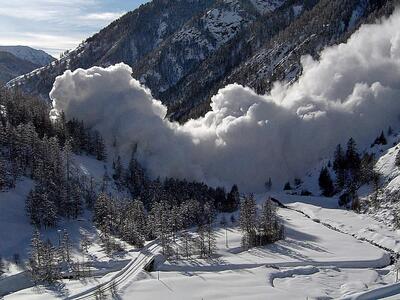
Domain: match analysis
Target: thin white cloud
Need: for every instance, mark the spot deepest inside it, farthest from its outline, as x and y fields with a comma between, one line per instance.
x=52, y=44
x=41, y=10
x=106, y=16
x=34, y=14
x=54, y=25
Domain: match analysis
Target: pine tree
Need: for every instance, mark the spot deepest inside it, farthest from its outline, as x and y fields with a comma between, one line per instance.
x=339, y=165
x=367, y=169
x=380, y=140
x=103, y=212
x=201, y=241
x=99, y=147
x=50, y=268
x=325, y=182
x=268, y=184
x=75, y=205
x=134, y=223
x=160, y=222
x=118, y=170
x=220, y=199
x=187, y=244
x=40, y=209
x=43, y=263
x=210, y=241
x=35, y=256
x=49, y=212
x=135, y=177
x=269, y=227
x=248, y=220
x=352, y=157
x=233, y=199
x=287, y=186
x=65, y=248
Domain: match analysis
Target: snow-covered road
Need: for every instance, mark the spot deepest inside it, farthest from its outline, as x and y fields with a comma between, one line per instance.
x=135, y=266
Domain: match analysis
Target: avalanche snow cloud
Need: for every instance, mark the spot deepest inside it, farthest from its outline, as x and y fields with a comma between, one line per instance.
x=353, y=90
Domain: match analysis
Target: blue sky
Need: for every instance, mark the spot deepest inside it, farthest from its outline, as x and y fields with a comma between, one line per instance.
x=57, y=25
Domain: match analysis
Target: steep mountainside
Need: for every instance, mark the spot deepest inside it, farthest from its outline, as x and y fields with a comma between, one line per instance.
x=127, y=39
x=37, y=57
x=271, y=50
x=196, y=41
x=12, y=66
x=185, y=50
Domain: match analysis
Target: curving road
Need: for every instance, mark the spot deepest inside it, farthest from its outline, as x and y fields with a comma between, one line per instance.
x=132, y=269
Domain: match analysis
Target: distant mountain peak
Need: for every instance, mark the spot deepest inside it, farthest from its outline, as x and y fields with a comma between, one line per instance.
x=37, y=57
x=12, y=66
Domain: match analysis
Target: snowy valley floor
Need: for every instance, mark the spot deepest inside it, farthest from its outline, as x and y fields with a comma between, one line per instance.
x=313, y=262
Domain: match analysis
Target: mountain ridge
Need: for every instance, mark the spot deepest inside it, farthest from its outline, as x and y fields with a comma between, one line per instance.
x=37, y=57
x=12, y=66
x=186, y=55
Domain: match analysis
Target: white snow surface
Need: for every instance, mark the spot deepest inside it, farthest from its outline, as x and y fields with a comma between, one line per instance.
x=362, y=226
x=15, y=230
x=223, y=24
x=312, y=256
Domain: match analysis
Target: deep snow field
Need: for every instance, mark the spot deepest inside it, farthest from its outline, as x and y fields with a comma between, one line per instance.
x=313, y=261
x=327, y=253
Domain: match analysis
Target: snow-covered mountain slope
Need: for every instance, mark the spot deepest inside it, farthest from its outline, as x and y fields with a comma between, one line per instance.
x=384, y=204
x=12, y=66
x=128, y=39
x=37, y=57
x=270, y=50
x=267, y=6
x=378, y=219
x=197, y=40
x=185, y=52
x=16, y=231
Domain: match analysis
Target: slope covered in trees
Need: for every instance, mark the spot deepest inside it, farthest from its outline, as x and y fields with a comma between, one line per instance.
x=31, y=145
x=34, y=146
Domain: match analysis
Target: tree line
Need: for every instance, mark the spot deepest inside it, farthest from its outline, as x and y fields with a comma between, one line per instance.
x=49, y=263
x=33, y=146
x=351, y=171
x=259, y=227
